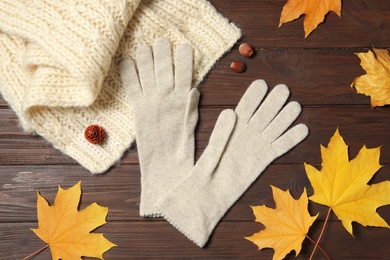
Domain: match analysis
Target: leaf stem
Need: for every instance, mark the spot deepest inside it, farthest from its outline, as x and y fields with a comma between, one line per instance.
x=36, y=252
x=320, y=248
x=322, y=232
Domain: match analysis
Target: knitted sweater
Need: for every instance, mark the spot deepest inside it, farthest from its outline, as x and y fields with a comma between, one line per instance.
x=59, y=64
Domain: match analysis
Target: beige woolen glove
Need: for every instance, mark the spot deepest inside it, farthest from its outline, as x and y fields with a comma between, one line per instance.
x=243, y=143
x=165, y=112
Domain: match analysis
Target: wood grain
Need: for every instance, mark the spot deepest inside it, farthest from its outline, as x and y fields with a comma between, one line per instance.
x=318, y=71
x=159, y=240
x=358, y=125
x=362, y=24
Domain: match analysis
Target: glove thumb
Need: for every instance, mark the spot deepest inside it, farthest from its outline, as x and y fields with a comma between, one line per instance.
x=218, y=140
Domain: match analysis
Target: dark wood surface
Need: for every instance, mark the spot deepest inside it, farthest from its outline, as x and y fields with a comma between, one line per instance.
x=318, y=71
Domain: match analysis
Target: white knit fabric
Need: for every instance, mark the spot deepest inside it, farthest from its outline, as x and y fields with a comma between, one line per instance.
x=59, y=63
x=243, y=143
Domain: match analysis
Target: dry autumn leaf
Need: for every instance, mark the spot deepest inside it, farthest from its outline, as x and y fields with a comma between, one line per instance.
x=314, y=10
x=67, y=230
x=342, y=184
x=286, y=226
x=376, y=83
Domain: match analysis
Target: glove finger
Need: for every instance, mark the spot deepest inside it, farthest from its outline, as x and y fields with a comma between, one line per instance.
x=217, y=143
x=183, y=67
x=289, y=140
x=191, y=113
x=282, y=121
x=129, y=78
x=270, y=108
x=163, y=65
x=146, y=70
x=251, y=100
x=190, y=121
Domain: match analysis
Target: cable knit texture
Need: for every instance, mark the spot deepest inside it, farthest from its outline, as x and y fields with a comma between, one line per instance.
x=59, y=63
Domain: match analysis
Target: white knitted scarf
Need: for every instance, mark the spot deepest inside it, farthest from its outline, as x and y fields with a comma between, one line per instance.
x=59, y=64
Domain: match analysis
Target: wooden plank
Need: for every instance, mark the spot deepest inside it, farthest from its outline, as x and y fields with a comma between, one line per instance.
x=159, y=240
x=319, y=77
x=119, y=189
x=316, y=77
x=359, y=126
x=363, y=24
x=3, y=103
x=17, y=148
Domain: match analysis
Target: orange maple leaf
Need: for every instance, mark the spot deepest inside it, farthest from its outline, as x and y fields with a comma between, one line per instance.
x=314, y=10
x=376, y=83
x=67, y=230
x=286, y=226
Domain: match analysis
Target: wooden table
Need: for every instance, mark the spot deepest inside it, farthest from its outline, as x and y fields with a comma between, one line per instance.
x=318, y=70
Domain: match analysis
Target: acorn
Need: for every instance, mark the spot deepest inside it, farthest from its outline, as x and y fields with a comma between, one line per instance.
x=237, y=66
x=246, y=50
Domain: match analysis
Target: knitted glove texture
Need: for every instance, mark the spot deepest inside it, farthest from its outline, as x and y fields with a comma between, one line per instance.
x=243, y=143
x=165, y=112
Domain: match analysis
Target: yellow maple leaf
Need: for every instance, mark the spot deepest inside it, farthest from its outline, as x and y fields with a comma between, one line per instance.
x=286, y=226
x=376, y=83
x=342, y=184
x=314, y=10
x=67, y=230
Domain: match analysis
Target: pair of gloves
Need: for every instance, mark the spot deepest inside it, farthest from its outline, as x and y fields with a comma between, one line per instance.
x=194, y=197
